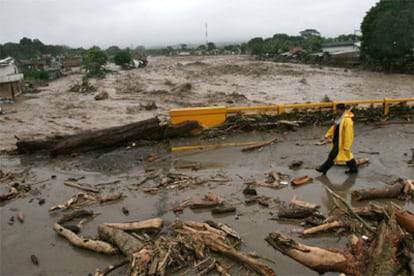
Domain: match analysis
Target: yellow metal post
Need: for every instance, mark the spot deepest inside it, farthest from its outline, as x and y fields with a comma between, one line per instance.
x=386, y=107
x=207, y=116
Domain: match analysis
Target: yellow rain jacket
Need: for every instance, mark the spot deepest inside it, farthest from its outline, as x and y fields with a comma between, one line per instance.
x=346, y=137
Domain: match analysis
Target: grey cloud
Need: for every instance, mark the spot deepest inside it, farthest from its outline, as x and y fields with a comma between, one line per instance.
x=166, y=22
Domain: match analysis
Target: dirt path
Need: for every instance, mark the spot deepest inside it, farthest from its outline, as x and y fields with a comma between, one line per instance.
x=174, y=82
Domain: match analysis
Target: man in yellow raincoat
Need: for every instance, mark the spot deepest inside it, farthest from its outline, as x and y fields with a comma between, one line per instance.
x=342, y=133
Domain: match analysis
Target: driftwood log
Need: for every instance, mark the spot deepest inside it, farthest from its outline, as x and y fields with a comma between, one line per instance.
x=322, y=227
x=111, y=268
x=124, y=241
x=94, y=245
x=152, y=225
x=150, y=129
x=13, y=192
x=203, y=204
x=75, y=214
x=110, y=197
x=303, y=204
x=392, y=191
x=406, y=220
x=319, y=259
x=80, y=186
x=296, y=212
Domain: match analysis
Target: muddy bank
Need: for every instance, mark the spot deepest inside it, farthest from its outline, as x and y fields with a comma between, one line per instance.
x=174, y=82
x=127, y=166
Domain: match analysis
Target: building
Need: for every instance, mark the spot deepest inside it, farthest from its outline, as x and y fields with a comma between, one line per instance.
x=341, y=47
x=10, y=78
x=70, y=62
x=46, y=63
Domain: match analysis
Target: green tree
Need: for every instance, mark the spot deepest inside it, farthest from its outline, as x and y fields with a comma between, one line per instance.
x=388, y=32
x=256, y=45
x=123, y=57
x=308, y=33
x=312, y=40
x=93, y=61
x=183, y=47
x=3, y=53
x=211, y=46
x=201, y=47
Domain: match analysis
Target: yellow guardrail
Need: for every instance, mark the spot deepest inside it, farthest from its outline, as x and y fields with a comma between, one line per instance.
x=212, y=116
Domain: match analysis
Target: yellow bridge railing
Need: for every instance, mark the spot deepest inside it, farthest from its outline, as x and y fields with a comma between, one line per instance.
x=212, y=116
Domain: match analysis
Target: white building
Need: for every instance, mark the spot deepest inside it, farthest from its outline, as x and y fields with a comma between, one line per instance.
x=9, y=78
x=341, y=47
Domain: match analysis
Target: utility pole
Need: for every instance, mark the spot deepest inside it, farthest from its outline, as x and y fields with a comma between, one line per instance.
x=206, y=37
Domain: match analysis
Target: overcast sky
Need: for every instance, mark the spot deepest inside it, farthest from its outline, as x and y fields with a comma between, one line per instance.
x=84, y=23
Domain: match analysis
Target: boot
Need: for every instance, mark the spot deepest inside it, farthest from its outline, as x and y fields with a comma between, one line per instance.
x=353, y=168
x=325, y=166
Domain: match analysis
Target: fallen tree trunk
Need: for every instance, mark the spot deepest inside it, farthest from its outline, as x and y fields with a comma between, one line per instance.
x=94, y=245
x=47, y=143
x=154, y=225
x=149, y=129
x=124, y=241
x=319, y=259
x=375, y=193
x=91, y=140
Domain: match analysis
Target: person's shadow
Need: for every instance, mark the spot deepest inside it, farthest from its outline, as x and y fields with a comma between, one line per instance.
x=341, y=189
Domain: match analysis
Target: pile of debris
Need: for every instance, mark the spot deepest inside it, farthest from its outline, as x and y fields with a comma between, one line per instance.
x=85, y=86
x=189, y=247
x=380, y=236
x=308, y=117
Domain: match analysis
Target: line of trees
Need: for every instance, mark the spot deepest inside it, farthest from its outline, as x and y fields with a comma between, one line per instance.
x=387, y=42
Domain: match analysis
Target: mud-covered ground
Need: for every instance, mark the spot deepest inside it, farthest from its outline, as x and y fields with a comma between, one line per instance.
x=178, y=82
x=57, y=257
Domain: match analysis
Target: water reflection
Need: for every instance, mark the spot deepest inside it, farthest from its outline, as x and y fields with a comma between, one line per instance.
x=341, y=189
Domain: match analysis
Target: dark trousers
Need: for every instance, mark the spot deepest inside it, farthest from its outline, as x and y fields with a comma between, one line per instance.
x=330, y=161
x=331, y=157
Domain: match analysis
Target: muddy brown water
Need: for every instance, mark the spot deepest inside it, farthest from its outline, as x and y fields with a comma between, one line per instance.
x=193, y=81
x=57, y=257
